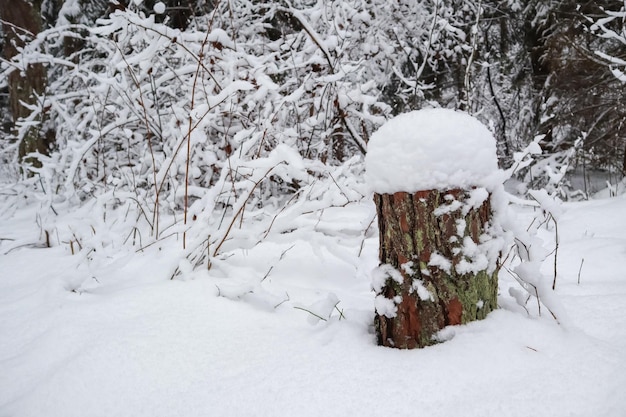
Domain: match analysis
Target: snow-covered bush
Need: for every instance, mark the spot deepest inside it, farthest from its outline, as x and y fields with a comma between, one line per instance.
x=244, y=112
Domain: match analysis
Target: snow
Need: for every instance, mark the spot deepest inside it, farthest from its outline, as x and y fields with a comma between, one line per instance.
x=385, y=306
x=69, y=10
x=422, y=291
x=431, y=149
x=475, y=258
x=381, y=273
x=159, y=8
x=440, y=261
x=112, y=335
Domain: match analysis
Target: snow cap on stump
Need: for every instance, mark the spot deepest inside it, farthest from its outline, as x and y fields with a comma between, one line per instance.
x=431, y=149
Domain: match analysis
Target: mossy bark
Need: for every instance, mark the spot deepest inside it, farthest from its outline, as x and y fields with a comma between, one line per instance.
x=410, y=233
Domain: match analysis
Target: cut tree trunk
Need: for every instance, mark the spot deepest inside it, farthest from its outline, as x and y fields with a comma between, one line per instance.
x=424, y=237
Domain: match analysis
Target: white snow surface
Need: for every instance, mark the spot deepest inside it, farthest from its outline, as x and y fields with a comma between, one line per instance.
x=431, y=149
x=159, y=7
x=284, y=328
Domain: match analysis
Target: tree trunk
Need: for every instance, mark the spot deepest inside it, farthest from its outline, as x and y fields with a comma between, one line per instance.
x=19, y=20
x=423, y=236
x=624, y=163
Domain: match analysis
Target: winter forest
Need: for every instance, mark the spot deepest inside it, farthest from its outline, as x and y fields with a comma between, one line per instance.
x=186, y=228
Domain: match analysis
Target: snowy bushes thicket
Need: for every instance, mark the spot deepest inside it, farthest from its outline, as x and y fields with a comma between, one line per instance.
x=198, y=131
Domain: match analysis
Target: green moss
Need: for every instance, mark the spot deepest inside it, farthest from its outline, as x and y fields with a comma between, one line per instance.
x=479, y=288
x=419, y=240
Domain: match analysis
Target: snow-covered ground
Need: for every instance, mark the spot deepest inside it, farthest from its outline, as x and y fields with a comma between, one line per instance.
x=84, y=335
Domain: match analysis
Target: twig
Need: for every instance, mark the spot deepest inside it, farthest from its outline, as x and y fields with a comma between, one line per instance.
x=284, y=301
x=556, y=249
x=209, y=264
x=500, y=112
x=537, y=295
x=134, y=232
x=341, y=316
x=365, y=235
x=580, y=269
x=554, y=316
x=311, y=313
x=524, y=245
x=467, y=79
x=76, y=238
x=155, y=214
x=240, y=210
x=282, y=255
x=160, y=239
x=340, y=189
x=278, y=214
x=267, y=273
x=189, y=130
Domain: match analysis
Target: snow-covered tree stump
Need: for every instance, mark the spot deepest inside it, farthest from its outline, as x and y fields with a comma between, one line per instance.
x=433, y=172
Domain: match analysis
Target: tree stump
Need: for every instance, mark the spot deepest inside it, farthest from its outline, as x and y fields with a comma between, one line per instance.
x=432, y=267
x=434, y=174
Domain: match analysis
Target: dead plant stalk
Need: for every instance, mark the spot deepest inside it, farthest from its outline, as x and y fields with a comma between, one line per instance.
x=241, y=209
x=189, y=130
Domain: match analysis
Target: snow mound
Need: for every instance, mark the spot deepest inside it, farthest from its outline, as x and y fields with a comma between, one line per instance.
x=431, y=149
x=159, y=8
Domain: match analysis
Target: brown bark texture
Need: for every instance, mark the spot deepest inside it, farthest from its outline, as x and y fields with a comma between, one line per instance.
x=410, y=233
x=20, y=20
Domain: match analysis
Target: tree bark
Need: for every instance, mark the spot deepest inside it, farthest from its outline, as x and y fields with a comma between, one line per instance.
x=21, y=20
x=430, y=295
